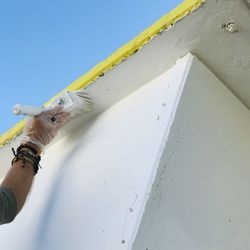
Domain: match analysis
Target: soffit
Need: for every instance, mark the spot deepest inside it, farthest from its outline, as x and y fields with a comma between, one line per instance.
x=155, y=50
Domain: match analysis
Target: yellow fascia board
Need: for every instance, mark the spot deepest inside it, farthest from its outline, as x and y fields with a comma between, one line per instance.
x=122, y=53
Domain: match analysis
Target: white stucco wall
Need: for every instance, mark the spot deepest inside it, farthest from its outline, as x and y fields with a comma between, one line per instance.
x=201, y=196
x=95, y=189
x=94, y=184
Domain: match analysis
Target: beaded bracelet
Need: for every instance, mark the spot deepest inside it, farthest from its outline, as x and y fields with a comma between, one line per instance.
x=27, y=155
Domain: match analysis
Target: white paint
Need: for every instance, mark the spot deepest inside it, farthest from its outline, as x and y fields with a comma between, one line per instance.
x=226, y=54
x=200, y=32
x=92, y=191
x=137, y=126
x=201, y=199
x=95, y=182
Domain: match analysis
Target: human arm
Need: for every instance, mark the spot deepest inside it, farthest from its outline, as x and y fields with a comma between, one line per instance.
x=14, y=190
x=38, y=132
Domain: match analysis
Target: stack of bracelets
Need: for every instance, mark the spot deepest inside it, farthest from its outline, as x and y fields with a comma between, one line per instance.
x=27, y=153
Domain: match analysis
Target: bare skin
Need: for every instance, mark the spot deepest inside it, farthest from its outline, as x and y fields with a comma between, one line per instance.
x=38, y=132
x=19, y=180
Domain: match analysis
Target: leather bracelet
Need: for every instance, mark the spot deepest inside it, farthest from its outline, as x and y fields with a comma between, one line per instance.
x=25, y=155
x=27, y=146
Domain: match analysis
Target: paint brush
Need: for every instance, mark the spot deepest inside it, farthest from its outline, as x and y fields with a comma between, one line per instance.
x=74, y=102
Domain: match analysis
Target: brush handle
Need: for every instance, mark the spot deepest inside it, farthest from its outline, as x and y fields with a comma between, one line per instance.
x=27, y=110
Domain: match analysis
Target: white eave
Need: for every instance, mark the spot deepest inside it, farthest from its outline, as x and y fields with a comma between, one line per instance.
x=202, y=32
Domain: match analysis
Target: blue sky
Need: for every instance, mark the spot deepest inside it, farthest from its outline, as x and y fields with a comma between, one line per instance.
x=47, y=44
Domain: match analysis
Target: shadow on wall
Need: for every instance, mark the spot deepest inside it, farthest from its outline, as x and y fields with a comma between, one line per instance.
x=77, y=133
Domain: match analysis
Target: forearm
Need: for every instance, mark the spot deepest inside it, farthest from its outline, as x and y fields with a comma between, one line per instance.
x=38, y=133
x=19, y=181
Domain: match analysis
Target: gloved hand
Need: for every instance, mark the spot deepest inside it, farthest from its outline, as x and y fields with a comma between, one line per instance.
x=40, y=130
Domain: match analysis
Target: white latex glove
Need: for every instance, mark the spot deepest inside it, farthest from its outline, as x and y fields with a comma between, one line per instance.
x=40, y=130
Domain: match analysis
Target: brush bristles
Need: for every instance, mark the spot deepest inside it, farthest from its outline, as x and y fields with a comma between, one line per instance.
x=82, y=103
x=75, y=102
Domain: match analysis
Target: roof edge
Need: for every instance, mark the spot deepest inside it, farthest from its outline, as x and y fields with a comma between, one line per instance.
x=118, y=56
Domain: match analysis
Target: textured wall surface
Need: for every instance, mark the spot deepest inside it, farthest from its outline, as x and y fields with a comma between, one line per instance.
x=201, y=196
x=166, y=167
x=95, y=182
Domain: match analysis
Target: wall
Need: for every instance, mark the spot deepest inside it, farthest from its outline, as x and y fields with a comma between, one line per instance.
x=95, y=182
x=201, y=196
x=94, y=191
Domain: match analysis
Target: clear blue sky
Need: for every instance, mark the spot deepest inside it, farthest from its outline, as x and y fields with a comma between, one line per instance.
x=47, y=44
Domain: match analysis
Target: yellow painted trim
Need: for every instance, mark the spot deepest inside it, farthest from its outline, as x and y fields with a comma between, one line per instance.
x=124, y=52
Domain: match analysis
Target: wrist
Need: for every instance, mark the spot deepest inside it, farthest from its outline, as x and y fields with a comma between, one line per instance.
x=31, y=147
x=28, y=155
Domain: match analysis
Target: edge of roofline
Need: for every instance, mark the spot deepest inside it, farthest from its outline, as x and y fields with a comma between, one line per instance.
x=117, y=57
